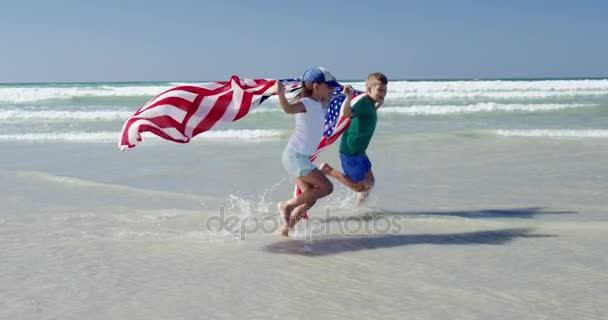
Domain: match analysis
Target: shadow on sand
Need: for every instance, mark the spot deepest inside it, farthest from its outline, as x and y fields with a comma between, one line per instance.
x=341, y=244
x=525, y=213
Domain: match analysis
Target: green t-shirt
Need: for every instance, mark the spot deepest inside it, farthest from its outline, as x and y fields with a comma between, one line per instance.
x=358, y=135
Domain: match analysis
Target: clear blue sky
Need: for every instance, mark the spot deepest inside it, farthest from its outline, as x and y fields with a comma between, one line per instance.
x=170, y=40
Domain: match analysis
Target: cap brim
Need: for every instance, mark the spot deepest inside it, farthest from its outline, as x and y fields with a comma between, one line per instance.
x=334, y=84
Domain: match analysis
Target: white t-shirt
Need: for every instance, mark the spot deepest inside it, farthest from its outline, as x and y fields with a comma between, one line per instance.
x=309, y=127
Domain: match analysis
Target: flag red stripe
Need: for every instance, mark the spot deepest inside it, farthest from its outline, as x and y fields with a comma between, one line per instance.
x=246, y=104
x=217, y=111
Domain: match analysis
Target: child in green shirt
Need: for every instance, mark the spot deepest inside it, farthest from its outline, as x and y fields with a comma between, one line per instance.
x=357, y=167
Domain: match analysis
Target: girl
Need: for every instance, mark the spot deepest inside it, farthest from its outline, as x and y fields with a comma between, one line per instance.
x=318, y=86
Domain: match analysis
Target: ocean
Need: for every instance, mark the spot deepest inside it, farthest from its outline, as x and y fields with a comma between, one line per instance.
x=94, y=112
x=490, y=203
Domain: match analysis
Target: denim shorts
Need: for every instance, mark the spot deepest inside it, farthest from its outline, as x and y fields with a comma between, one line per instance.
x=355, y=167
x=296, y=164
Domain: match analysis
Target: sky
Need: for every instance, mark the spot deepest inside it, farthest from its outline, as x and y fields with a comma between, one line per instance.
x=183, y=40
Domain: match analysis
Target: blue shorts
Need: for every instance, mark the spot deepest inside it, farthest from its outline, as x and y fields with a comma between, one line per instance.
x=355, y=167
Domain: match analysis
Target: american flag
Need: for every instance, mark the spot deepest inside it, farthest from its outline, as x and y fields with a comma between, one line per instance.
x=335, y=122
x=180, y=113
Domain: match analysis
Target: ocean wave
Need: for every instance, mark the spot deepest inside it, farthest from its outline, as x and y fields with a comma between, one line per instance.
x=94, y=113
x=495, y=95
x=493, y=89
x=242, y=134
x=499, y=85
x=36, y=94
x=107, y=136
x=64, y=115
x=555, y=133
x=435, y=110
x=499, y=95
x=500, y=89
x=479, y=107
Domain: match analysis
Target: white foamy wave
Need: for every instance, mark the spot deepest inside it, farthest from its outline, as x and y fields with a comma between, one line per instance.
x=499, y=85
x=63, y=136
x=557, y=133
x=64, y=115
x=106, y=136
x=267, y=110
x=479, y=107
x=499, y=89
x=494, y=95
x=241, y=134
x=33, y=94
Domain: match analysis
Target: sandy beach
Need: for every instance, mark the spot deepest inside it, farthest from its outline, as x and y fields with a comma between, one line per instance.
x=459, y=227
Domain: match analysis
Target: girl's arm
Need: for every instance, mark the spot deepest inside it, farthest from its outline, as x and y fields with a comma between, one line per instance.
x=297, y=107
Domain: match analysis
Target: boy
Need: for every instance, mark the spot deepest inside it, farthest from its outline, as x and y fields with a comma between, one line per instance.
x=357, y=168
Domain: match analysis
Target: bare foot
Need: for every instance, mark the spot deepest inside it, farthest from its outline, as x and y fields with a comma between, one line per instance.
x=285, y=212
x=284, y=230
x=326, y=168
x=361, y=198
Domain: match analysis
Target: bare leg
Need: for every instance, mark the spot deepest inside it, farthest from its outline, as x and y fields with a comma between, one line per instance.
x=298, y=213
x=285, y=218
x=320, y=187
x=313, y=186
x=358, y=187
x=369, y=182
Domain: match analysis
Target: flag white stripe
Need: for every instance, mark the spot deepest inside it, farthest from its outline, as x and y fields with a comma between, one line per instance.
x=189, y=96
x=164, y=110
x=233, y=107
x=203, y=109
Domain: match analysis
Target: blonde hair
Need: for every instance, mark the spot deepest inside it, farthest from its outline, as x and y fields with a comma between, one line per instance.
x=374, y=79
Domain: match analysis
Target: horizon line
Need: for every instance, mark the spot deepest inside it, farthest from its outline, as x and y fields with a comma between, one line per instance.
x=341, y=80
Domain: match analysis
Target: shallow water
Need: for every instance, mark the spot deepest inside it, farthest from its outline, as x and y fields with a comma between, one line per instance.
x=465, y=221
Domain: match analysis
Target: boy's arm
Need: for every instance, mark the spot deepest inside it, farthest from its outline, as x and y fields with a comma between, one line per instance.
x=287, y=107
x=347, y=110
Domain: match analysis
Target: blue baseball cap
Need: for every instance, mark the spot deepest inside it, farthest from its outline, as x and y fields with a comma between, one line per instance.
x=320, y=74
